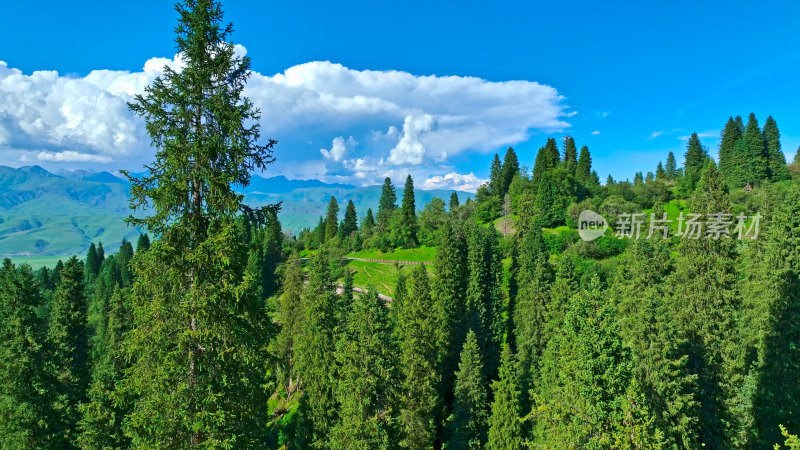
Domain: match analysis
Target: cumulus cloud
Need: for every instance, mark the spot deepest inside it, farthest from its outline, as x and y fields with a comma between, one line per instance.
x=595, y=132
x=402, y=119
x=339, y=148
x=468, y=182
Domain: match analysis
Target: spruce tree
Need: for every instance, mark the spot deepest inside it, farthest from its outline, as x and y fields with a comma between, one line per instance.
x=449, y=289
x=496, y=177
x=776, y=162
x=366, y=378
x=105, y=410
x=505, y=428
x=23, y=391
x=694, y=160
x=756, y=152
x=350, y=224
x=661, y=174
x=68, y=352
x=315, y=349
x=671, y=167
x=546, y=160
x=484, y=297
x=419, y=337
x=290, y=315
x=510, y=168
x=570, y=154
x=143, y=243
x=583, y=170
x=92, y=264
x=200, y=328
x=453, y=201
x=408, y=225
x=331, y=219
x=387, y=202
x=469, y=409
x=730, y=164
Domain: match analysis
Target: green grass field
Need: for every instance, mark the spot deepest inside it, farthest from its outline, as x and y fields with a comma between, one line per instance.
x=424, y=253
x=380, y=275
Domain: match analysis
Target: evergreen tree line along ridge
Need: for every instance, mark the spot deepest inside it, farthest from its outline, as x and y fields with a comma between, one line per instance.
x=225, y=332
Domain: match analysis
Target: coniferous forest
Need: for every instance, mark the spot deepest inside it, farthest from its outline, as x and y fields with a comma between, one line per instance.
x=219, y=330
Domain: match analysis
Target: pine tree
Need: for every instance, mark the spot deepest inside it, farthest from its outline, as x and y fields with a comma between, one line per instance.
x=200, y=328
x=408, y=224
x=419, y=337
x=638, y=179
x=583, y=171
x=469, y=410
x=510, y=169
x=331, y=219
x=122, y=262
x=315, y=348
x=661, y=174
x=350, y=224
x=23, y=392
x=367, y=377
x=496, y=177
x=67, y=361
x=756, y=161
x=549, y=206
x=776, y=162
x=453, y=201
x=505, y=428
x=570, y=154
x=101, y=253
x=671, y=168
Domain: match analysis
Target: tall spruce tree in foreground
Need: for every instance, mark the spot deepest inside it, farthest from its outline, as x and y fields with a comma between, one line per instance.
x=570, y=154
x=68, y=354
x=367, y=377
x=671, y=167
x=505, y=428
x=290, y=316
x=756, y=152
x=583, y=171
x=23, y=391
x=510, y=169
x=694, y=160
x=200, y=328
x=316, y=366
x=350, y=224
x=469, y=409
x=453, y=201
x=731, y=163
x=776, y=162
x=496, y=177
x=419, y=337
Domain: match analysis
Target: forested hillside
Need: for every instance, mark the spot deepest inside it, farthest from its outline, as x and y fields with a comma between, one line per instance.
x=220, y=330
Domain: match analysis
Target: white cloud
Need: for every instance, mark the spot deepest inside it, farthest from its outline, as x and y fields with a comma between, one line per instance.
x=656, y=134
x=71, y=156
x=429, y=118
x=339, y=148
x=595, y=132
x=702, y=135
x=468, y=182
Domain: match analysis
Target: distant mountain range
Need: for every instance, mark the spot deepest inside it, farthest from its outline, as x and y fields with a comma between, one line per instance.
x=46, y=214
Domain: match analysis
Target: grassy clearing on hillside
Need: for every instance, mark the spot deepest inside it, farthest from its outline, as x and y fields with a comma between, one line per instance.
x=380, y=275
x=423, y=253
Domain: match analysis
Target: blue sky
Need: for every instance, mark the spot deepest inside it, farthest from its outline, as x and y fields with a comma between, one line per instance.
x=630, y=80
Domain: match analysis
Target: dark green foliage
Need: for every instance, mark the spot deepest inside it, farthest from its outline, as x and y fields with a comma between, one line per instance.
x=92, y=264
x=431, y=221
x=469, y=408
x=419, y=337
x=366, y=378
x=331, y=219
x=68, y=354
x=550, y=206
x=407, y=235
x=290, y=316
x=23, y=391
x=756, y=159
x=661, y=174
x=387, y=203
x=730, y=159
x=122, y=262
x=570, y=155
x=496, y=177
x=776, y=162
x=547, y=159
x=505, y=428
